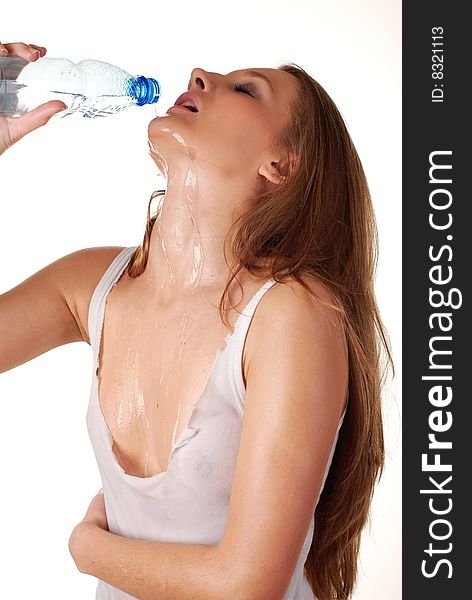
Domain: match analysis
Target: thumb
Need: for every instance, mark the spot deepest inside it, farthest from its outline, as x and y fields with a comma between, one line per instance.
x=37, y=117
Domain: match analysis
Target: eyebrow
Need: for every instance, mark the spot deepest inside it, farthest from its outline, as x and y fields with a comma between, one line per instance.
x=260, y=76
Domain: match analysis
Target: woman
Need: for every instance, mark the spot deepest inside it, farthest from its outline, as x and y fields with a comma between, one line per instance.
x=249, y=471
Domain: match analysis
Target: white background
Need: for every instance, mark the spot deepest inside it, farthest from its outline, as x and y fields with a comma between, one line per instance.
x=78, y=183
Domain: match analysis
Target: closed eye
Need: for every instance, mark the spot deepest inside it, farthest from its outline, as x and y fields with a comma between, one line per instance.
x=239, y=87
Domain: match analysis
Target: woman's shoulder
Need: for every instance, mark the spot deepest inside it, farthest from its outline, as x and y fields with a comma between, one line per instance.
x=306, y=298
x=296, y=314
x=85, y=268
x=297, y=332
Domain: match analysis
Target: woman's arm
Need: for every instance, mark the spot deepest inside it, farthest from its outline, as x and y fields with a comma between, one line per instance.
x=50, y=307
x=150, y=570
x=296, y=384
x=37, y=315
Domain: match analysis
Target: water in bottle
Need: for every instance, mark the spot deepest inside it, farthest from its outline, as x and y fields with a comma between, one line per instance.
x=91, y=88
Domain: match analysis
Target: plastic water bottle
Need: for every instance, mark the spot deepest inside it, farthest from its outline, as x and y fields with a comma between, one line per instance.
x=91, y=88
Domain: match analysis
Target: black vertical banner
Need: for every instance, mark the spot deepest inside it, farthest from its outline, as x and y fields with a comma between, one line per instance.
x=437, y=253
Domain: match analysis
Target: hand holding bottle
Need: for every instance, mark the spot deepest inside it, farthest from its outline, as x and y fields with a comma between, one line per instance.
x=91, y=88
x=13, y=129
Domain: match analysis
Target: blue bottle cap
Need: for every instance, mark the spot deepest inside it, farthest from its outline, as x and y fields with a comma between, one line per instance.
x=145, y=90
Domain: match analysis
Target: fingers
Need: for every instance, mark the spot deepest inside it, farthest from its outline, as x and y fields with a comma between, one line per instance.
x=30, y=52
x=37, y=117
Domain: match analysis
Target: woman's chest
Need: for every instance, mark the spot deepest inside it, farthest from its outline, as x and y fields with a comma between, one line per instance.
x=153, y=368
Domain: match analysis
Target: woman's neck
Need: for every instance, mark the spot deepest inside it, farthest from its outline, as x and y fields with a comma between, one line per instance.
x=186, y=246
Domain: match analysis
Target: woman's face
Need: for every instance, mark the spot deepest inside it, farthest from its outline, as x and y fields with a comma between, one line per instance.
x=239, y=115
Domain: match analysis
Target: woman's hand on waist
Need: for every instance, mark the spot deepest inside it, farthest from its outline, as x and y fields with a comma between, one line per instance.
x=95, y=517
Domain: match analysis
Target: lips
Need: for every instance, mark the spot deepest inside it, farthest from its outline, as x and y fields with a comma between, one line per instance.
x=189, y=100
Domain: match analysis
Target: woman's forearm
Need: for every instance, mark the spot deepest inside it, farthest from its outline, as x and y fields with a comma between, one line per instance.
x=151, y=570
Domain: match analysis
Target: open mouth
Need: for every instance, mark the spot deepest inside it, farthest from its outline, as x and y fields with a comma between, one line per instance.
x=189, y=106
x=188, y=101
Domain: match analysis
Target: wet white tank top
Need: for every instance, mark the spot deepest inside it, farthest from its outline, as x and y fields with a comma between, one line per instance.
x=189, y=502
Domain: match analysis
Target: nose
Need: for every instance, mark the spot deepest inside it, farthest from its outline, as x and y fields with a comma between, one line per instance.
x=200, y=79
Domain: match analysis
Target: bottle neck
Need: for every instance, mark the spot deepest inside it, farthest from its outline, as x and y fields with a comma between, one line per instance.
x=144, y=90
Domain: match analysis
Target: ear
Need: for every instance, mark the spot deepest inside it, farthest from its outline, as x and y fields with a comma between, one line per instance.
x=275, y=171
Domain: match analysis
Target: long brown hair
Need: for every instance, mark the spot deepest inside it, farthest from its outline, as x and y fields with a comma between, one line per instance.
x=321, y=222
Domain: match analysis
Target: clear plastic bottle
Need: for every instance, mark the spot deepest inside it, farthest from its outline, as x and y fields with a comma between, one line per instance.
x=91, y=88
